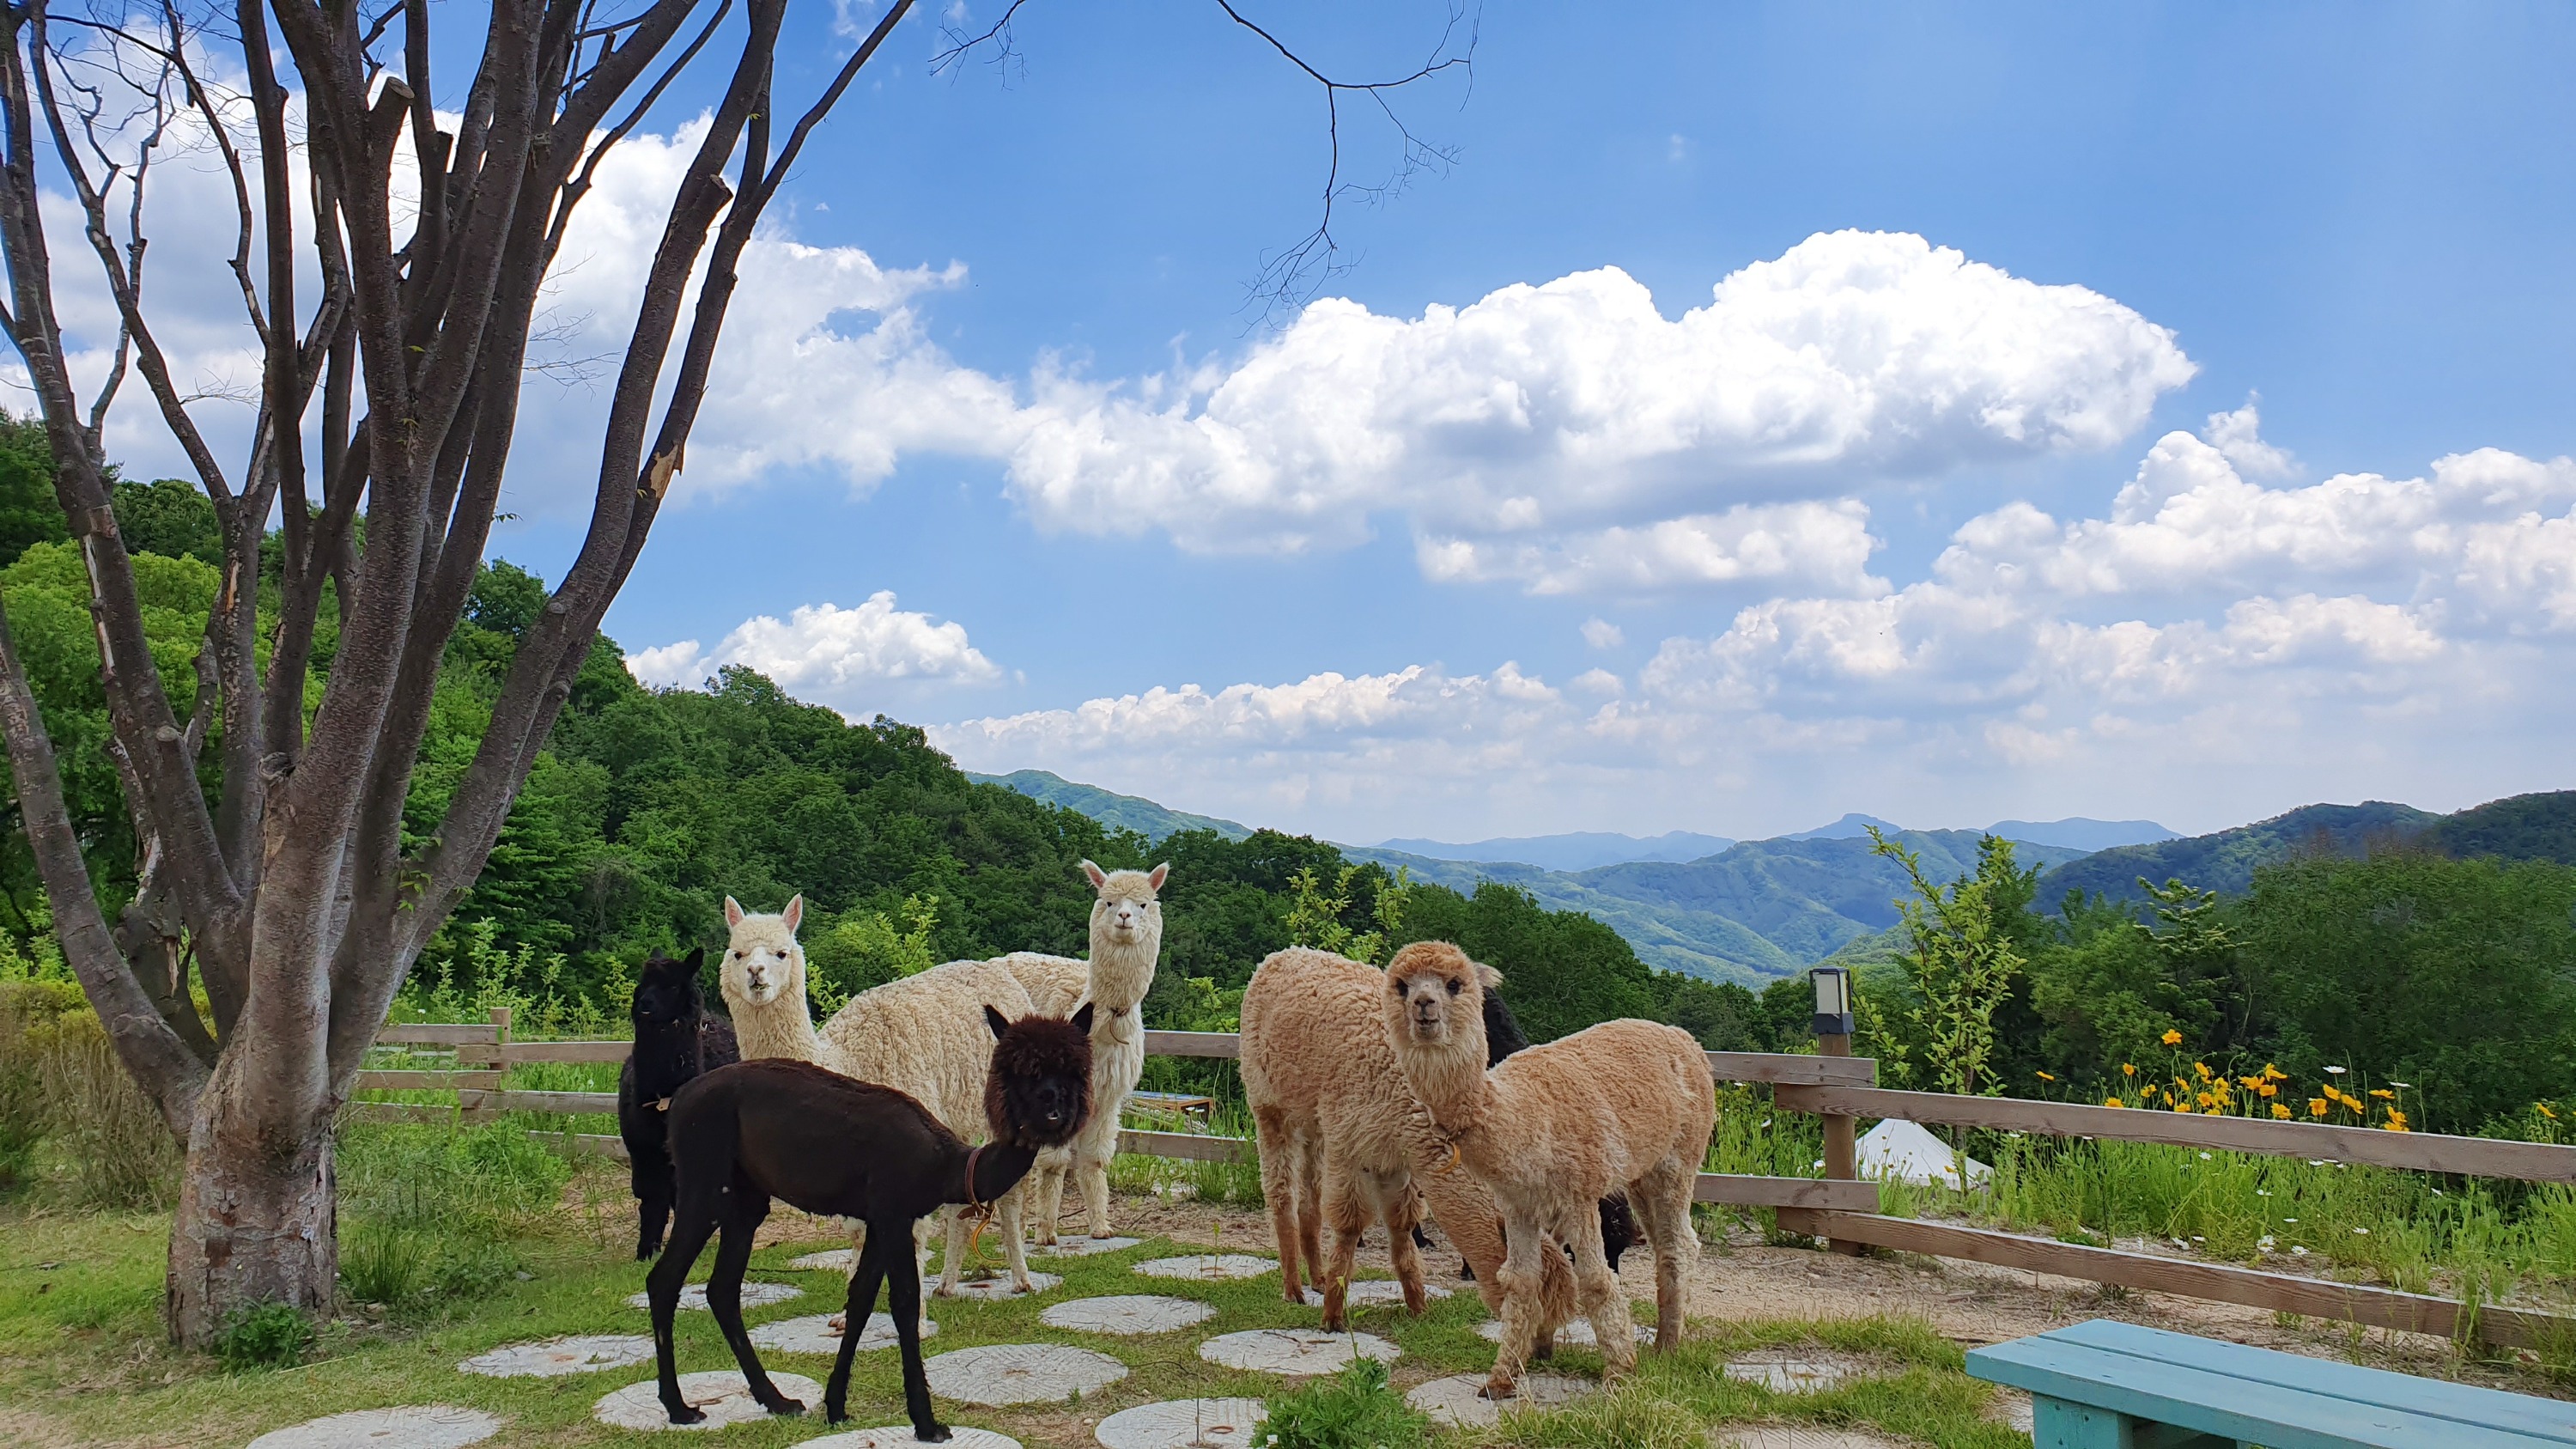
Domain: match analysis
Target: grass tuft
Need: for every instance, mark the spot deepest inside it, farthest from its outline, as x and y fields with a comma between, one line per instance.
x=1354, y=1409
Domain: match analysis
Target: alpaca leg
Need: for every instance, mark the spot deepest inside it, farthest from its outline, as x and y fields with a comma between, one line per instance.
x=724, y=1297
x=1279, y=1189
x=952, y=1271
x=1349, y=1214
x=1519, y=1280
x=854, y=1313
x=662, y=1284
x=1050, y=1202
x=1603, y=1303
x=1403, y=1220
x=1093, y=1160
x=903, y=1293
x=858, y=1254
x=648, y=1172
x=1010, y=1211
x=1310, y=1209
x=1663, y=1200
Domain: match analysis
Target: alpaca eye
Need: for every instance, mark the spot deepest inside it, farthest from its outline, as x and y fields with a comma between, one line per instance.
x=1454, y=984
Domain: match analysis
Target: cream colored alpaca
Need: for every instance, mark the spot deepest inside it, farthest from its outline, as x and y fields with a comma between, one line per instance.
x=1552, y=1130
x=1126, y=941
x=1343, y=1139
x=763, y=977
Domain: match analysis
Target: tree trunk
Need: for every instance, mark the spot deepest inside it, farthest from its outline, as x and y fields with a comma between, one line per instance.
x=254, y=1223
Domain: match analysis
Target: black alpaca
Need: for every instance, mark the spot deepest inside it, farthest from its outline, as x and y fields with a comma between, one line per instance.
x=1503, y=1037
x=744, y=1134
x=675, y=1040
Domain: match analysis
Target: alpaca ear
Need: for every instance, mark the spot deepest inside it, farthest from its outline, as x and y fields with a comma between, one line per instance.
x=697, y=960
x=1082, y=1019
x=1095, y=875
x=1488, y=976
x=996, y=1021
x=733, y=912
x=795, y=912
x=1158, y=875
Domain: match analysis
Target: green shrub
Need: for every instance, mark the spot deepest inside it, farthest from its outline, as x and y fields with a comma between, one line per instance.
x=479, y=1181
x=119, y=1152
x=264, y=1335
x=383, y=1265
x=1353, y=1409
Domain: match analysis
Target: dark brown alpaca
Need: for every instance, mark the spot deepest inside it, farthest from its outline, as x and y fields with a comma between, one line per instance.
x=675, y=1040
x=775, y=1128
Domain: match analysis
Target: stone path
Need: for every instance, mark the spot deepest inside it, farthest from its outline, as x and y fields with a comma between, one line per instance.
x=1796, y=1371
x=1294, y=1351
x=1577, y=1333
x=1208, y=1267
x=1184, y=1424
x=998, y=1287
x=1796, y=1436
x=555, y=1357
x=830, y=1260
x=1459, y=1401
x=1127, y=1314
x=899, y=1436
x=754, y=1295
x=814, y=1334
x=1376, y=1293
x=1084, y=1247
x=1001, y=1374
x=721, y=1393
x=428, y=1426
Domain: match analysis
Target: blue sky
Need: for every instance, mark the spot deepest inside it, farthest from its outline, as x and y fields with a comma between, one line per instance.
x=1956, y=506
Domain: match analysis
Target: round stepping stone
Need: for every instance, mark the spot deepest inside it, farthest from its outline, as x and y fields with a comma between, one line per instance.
x=1375, y=1293
x=428, y=1426
x=559, y=1356
x=1208, y=1267
x=1795, y=1372
x=1801, y=1436
x=899, y=1436
x=693, y=1298
x=1459, y=1402
x=814, y=1334
x=1293, y=1351
x=1576, y=1333
x=721, y=1393
x=1184, y=1424
x=830, y=1260
x=1000, y=1374
x=998, y=1287
x=1085, y=1247
x=1127, y=1313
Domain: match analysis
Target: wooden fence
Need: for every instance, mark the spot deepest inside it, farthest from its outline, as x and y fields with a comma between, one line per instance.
x=1839, y=1206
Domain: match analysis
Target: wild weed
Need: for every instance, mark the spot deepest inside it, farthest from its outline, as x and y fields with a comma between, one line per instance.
x=1353, y=1409
x=264, y=1335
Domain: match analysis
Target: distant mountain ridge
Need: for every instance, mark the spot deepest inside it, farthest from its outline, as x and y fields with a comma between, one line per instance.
x=2518, y=827
x=1575, y=850
x=1121, y=812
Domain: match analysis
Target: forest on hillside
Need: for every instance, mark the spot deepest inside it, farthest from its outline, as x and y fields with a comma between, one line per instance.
x=2454, y=978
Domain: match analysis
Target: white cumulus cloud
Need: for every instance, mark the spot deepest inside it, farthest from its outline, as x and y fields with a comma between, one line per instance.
x=830, y=653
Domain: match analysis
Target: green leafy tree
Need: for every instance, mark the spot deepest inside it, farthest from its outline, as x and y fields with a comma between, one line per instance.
x=1961, y=959
x=28, y=513
x=1562, y=970
x=1317, y=919
x=169, y=517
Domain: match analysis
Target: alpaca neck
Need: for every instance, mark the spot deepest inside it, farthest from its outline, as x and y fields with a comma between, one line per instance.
x=1449, y=1080
x=780, y=1029
x=666, y=1054
x=998, y=1167
x=1121, y=973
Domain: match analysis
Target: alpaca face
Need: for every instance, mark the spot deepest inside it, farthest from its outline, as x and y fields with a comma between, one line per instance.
x=1038, y=1090
x=666, y=993
x=762, y=960
x=1436, y=995
x=1127, y=913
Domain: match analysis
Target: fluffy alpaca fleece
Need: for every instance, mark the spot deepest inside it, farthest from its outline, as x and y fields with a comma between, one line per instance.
x=1552, y=1130
x=1344, y=1140
x=925, y=1036
x=763, y=975
x=1126, y=941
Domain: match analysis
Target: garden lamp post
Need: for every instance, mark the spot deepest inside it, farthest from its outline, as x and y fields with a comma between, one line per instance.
x=1833, y=1039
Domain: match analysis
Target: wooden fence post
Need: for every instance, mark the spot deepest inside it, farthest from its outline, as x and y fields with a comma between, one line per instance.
x=1842, y=1157
x=491, y=1103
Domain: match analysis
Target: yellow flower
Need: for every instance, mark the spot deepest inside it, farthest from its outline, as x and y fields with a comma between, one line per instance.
x=2202, y=1068
x=2128, y=1069
x=2281, y=1109
x=2396, y=1120
x=2268, y=1090
x=2251, y=1084
x=2045, y=1077
x=2545, y=1112
x=2206, y=1100
x=2316, y=1106
x=2172, y=1037
x=2114, y=1102
x=2275, y=1073
x=2383, y=1094
x=2213, y=1112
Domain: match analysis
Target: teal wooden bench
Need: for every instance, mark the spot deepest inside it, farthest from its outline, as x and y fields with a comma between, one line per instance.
x=2105, y=1385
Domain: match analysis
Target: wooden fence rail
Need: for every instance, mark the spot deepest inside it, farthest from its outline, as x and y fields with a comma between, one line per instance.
x=1839, y=1206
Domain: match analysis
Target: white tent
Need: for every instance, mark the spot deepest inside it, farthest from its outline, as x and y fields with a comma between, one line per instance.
x=1907, y=1153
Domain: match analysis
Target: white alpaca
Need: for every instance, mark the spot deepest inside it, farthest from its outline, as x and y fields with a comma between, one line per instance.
x=1126, y=941
x=923, y=1035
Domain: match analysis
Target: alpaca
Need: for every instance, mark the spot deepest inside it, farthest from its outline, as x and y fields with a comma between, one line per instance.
x=744, y=1134
x=1342, y=1140
x=675, y=1040
x=1126, y=940
x=1503, y=1036
x=922, y=1035
x=1552, y=1130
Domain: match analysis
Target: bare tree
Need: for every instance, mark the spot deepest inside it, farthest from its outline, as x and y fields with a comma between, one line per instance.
x=285, y=890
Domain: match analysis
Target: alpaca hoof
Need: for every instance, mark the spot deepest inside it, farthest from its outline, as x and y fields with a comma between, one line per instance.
x=785, y=1407
x=683, y=1414
x=931, y=1433
x=1496, y=1388
x=840, y=1324
x=1543, y=1350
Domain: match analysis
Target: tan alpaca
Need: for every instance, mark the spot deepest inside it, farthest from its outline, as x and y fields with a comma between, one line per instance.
x=1551, y=1130
x=1344, y=1141
x=1126, y=941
